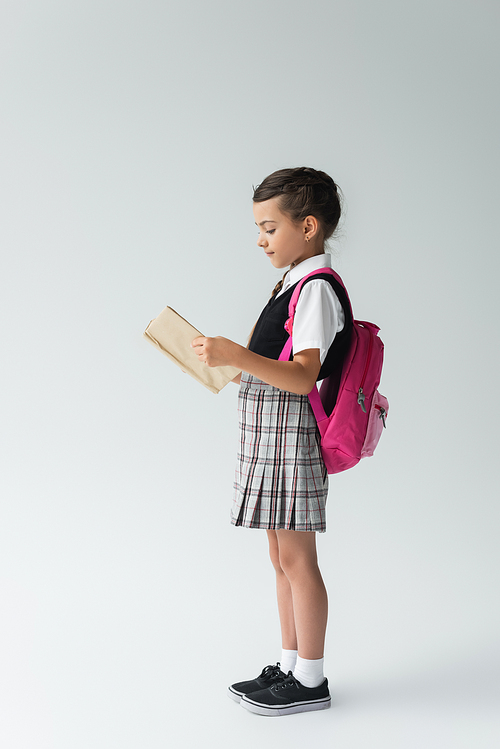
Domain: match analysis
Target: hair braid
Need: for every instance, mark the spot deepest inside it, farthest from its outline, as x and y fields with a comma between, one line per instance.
x=278, y=286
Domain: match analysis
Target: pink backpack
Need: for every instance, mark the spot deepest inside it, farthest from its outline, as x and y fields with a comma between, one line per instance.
x=352, y=430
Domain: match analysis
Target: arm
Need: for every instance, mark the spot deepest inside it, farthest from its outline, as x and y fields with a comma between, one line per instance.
x=297, y=376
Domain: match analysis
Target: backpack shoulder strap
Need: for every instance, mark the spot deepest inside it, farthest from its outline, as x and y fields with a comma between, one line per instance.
x=287, y=349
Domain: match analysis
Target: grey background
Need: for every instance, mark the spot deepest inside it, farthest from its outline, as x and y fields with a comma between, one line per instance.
x=132, y=133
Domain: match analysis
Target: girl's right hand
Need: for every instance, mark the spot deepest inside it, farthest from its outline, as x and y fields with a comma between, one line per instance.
x=215, y=352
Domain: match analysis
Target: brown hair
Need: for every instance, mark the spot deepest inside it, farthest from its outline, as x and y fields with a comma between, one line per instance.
x=302, y=192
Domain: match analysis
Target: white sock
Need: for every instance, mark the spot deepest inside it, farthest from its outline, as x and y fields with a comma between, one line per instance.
x=288, y=660
x=309, y=673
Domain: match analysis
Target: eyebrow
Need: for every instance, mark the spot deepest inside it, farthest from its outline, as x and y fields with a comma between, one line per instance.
x=267, y=221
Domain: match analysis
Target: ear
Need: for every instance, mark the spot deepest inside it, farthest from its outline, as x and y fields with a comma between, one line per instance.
x=311, y=226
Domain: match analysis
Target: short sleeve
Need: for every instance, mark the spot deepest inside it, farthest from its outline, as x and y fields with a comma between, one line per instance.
x=318, y=318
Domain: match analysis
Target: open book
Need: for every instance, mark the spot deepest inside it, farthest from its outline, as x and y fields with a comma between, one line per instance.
x=172, y=335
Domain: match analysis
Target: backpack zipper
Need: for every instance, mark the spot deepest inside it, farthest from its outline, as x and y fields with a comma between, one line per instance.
x=382, y=414
x=361, y=395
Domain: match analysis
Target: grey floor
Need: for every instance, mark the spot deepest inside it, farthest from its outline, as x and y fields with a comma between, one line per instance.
x=119, y=643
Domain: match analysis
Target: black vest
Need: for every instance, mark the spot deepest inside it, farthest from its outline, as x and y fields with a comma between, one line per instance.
x=269, y=335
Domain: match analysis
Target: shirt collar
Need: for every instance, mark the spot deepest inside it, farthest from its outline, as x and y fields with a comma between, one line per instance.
x=298, y=272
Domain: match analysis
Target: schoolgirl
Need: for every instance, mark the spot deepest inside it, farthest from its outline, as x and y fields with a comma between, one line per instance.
x=281, y=482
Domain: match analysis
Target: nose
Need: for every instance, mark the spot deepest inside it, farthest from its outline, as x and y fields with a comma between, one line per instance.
x=261, y=241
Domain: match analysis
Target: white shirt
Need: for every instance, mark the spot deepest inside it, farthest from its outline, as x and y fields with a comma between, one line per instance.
x=319, y=315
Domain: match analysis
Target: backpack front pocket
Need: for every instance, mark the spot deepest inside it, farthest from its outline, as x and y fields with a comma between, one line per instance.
x=376, y=423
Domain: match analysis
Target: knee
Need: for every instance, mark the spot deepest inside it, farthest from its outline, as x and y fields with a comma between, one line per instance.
x=288, y=563
x=296, y=565
x=275, y=559
x=274, y=554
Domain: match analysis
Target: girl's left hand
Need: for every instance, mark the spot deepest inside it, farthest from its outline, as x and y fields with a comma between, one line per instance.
x=214, y=352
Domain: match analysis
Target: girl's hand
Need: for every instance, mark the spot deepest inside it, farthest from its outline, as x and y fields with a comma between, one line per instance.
x=214, y=352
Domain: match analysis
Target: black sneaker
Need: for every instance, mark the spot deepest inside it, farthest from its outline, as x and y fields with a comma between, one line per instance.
x=269, y=675
x=287, y=696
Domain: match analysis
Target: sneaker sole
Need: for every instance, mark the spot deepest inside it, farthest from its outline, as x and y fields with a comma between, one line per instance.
x=234, y=695
x=298, y=707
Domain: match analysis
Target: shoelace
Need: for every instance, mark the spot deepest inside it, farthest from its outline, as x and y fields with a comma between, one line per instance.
x=269, y=671
x=288, y=681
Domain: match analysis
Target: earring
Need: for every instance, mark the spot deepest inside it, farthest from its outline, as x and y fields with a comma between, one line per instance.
x=307, y=239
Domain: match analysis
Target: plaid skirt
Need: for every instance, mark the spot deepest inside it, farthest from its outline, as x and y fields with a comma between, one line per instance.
x=281, y=480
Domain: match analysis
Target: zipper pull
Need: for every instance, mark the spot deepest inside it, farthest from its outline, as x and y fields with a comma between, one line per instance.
x=361, y=400
x=382, y=415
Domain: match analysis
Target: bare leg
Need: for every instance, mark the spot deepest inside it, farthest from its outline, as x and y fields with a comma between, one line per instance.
x=284, y=593
x=309, y=602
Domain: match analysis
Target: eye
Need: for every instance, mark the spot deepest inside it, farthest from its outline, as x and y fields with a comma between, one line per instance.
x=270, y=231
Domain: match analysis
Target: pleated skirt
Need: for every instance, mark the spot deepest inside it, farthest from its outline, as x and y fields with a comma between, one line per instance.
x=280, y=480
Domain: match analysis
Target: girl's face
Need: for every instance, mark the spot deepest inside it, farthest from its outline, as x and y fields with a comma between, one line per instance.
x=283, y=241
